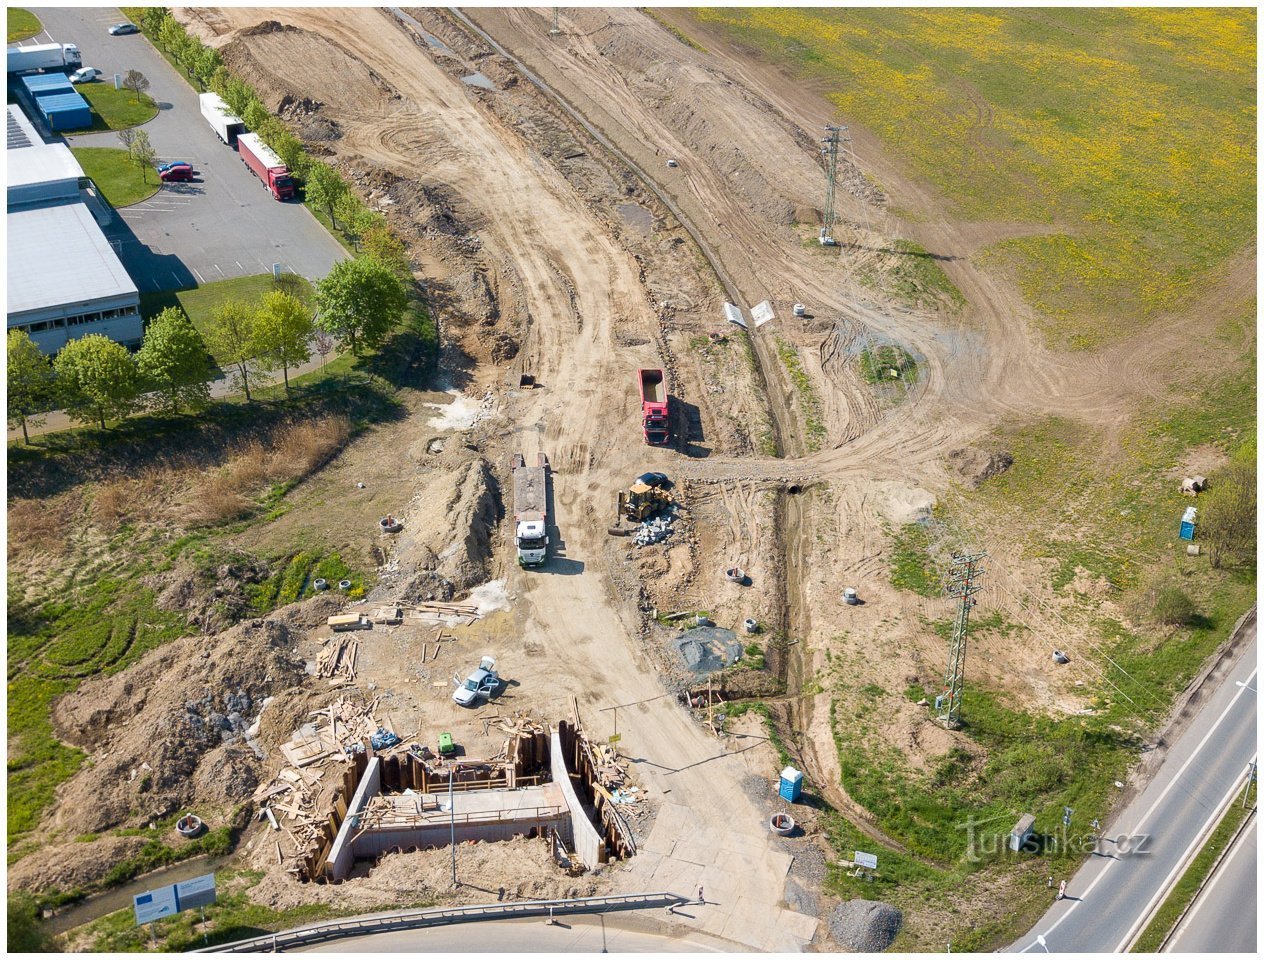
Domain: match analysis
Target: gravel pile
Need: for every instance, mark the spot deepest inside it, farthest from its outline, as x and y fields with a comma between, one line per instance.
x=864, y=926
x=706, y=650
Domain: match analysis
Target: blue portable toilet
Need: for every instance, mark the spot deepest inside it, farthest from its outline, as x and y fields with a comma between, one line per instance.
x=1187, y=523
x=791, y=784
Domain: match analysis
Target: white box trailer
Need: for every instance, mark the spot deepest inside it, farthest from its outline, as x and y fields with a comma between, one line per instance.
x=226, y=125
x=45, y=56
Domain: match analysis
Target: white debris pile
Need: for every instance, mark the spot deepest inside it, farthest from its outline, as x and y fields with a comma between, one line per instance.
x=655, y=529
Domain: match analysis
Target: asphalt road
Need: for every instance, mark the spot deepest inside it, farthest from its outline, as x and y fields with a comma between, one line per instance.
x=225, y=223
x=1148, y=840
x=578, y=934
x=1222, y=919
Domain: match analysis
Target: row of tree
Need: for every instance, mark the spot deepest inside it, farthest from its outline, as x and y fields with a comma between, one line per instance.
x=323, y=185
x=95, y=379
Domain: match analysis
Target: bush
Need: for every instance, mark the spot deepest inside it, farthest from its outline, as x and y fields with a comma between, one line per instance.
x=1226, y=513
x=1172, y=606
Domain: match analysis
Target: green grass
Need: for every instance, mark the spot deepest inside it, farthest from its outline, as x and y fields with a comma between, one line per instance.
x=911, y=565
x=22, y=24
x=119, y=179
x=809, y=400
x=116, y=109
x=200, y=303
x=1195, y=874
x=918, y=279
x=51, y=649
x=876, y=364
x=1090, y=119
x=294, y=577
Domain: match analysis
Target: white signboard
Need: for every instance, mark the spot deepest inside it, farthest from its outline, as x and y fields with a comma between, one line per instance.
x=733, y=314
x=153, y=904
x=867, y=860
x=198, y=892
x=761, y=313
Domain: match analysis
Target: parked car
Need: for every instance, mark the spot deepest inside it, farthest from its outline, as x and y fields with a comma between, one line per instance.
x=85, y=75
x=172, y=174
x=654, y=480
x=479, y=685
x=174, y=163
x=122, y=29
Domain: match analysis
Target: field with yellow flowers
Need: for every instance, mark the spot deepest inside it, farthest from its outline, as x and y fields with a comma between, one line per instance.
x=1130, y=130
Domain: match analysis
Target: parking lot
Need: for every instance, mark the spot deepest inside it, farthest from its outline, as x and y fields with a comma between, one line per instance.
x=224, y=223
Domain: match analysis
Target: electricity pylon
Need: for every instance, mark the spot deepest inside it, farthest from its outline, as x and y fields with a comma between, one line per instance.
x=963, y=583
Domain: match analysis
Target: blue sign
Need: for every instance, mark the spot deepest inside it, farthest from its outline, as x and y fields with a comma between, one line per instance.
x=155, y=904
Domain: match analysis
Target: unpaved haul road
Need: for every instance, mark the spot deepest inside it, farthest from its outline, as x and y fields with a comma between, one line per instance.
x=576, y=281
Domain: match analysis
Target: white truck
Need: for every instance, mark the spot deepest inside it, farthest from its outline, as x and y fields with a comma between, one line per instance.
x=222, y=120
x=531, y=510
x=44, y=56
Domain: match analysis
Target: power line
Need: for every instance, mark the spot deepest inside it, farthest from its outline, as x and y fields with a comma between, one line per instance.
x=830, y=150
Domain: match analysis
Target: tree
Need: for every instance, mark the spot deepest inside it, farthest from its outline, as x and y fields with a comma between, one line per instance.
x=325, y=187
x=97, y=378
x=288, y=147
x=1226, y=512
x=208, y=61
x=26, y=931
x=136, y=82
x=142, y=152
x=170, y=34
x=324, y=345
x=236, y=94
x=380, y=241
x=30, y=379
x=356, y=218
x=233, y=341
x=284, y=328
x=127, y=138
x=360, y=300
x=173, y=360
x=255, y=115
x=151, y=19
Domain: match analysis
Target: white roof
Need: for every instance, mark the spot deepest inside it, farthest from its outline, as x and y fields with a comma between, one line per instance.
x=21, y=133
x=46, y=163
x=260, y=149
x=58, y=255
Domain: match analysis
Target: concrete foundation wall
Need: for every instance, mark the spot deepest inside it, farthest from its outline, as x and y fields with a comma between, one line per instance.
x=341, y=856
x=374, y=842
x=584, y=837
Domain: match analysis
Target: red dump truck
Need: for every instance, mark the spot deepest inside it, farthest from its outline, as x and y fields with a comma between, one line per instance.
x=654, y=406
x=265, y=165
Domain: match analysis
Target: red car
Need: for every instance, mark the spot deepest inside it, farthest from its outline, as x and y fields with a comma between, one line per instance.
x=179, y=171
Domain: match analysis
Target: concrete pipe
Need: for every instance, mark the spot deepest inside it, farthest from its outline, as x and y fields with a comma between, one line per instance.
x=320, y=583
x=849, y=596
x=750, y=625
x=344, y=585
x=782, y=824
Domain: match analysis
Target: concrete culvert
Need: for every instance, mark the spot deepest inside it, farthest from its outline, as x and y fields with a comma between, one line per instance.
x=344, y=584
x=794, y=489
x=865, y=926
x=320, y=583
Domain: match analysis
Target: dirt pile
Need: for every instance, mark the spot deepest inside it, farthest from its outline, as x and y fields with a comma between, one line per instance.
x=71, y=866
x=446, y=546
x=518, y=869
x=977, y=466
x=865, y=926
x=174, y=727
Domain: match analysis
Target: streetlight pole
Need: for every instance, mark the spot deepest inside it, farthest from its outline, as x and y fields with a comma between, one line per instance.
x=452, y=823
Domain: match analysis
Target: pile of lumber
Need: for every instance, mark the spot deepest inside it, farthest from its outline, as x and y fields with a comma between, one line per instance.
x=337, y=660
x=430, y=649
x=449, y=614
x=611, y=770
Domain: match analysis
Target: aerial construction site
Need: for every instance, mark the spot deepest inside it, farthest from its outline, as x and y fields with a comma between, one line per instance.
x=777, y=505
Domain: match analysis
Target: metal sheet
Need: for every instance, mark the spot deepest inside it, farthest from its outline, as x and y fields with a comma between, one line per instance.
x=761, y=313
x=867, y=860
x=733, y=314
x=198, y=892
x=153, y=904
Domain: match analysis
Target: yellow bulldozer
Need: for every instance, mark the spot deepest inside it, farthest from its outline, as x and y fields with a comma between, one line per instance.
x=641, y=500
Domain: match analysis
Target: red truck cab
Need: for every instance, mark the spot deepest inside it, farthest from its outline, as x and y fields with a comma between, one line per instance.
x=265, y=165
x=654, y=410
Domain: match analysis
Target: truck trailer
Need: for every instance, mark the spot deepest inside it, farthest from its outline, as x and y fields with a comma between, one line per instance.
x=654, y=416
x=45, y=56
x=531, y=510
x=226, y=126
x=265, y=165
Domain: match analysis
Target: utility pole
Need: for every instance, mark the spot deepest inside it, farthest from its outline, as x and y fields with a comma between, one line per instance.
x=963, y=583
x=830, y=150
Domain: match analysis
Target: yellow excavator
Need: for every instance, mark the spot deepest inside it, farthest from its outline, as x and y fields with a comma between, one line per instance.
x=641, y=500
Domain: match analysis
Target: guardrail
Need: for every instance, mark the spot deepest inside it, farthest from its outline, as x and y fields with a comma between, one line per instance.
x=418, y=919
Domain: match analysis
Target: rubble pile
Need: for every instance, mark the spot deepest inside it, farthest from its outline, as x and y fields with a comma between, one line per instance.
x=655, y=529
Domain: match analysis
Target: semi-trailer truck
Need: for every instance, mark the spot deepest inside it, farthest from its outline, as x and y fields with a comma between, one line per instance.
x=265, y=165
x=44, y=56
x=531, y=510
x=222, y=120
x=654, y=420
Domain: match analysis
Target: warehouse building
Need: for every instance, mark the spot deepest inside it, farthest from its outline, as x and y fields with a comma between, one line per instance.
x=65, y=279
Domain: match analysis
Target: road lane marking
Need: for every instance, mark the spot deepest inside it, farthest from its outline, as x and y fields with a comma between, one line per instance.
x=1166, y=886
x=1205, y=895
x=1141, y=823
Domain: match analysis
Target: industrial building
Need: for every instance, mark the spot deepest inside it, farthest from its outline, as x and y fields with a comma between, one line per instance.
x=65, y=279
